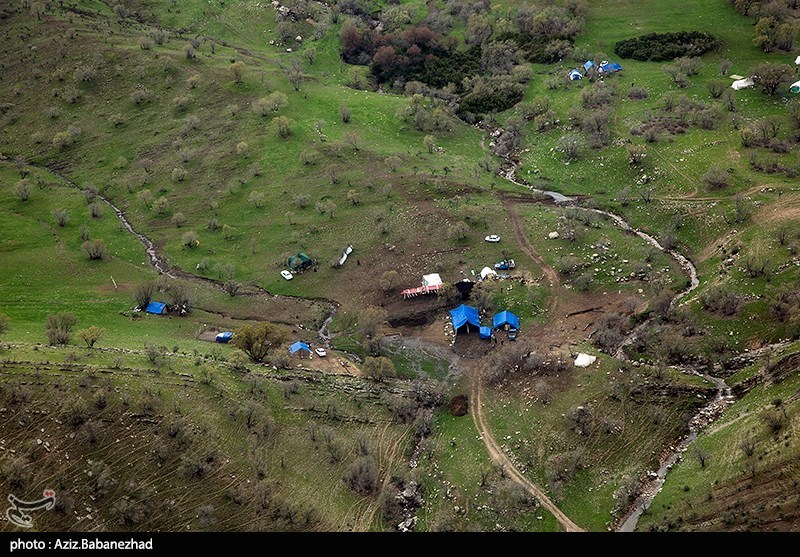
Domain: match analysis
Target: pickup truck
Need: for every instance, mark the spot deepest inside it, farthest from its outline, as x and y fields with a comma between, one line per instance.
x=505, y=264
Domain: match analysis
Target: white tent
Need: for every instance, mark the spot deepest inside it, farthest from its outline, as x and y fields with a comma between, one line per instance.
x=797, y=60
x=487, y=272
x=742, y=83
x=584, y=360
x=431, y=280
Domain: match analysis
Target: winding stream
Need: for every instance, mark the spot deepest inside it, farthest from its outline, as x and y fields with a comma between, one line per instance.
x=705, y=415
x=164, y=268
x=655, y=480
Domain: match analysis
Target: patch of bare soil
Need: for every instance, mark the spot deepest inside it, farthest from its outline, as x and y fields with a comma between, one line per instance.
x=459, y=405
x=209, y=335
x=335, y=363
x=471, y=346
x=357, y=281
x=781, y=211
x=414, y=312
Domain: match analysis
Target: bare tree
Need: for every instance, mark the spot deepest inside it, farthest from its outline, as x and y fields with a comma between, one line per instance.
x=23, y=189
x=701, y=455
x=294, y=73
x=59, y=327
x=95, y=249
x=237, y=71
x=61, y=217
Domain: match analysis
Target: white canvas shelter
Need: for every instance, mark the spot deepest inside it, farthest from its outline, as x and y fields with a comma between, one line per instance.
x=585, y=360
x=797, y=60
x=430, y=283
x=487, y=272
x=552, y=235
x=431, y=280
x=742, y=83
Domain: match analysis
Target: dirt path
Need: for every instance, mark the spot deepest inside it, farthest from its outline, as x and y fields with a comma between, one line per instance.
x=522, y=240
x=388, y=457
x=500, y=458
x=693, y=197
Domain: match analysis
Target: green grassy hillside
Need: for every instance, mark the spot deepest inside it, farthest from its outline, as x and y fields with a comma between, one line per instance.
x=233, y=135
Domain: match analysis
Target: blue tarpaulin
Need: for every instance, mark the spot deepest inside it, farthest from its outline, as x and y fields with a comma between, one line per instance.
x=588, y=64
x=299, y=345
x=611, y=67
x=156, y=307
x=486, y=332
x=503, y=318
x=464, y=314
x=224, y=336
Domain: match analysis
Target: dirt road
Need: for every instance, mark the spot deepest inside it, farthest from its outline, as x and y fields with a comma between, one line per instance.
x=499, y=457
x=525, y=245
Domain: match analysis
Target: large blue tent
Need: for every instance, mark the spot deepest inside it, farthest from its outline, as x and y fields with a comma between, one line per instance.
x=299, y=345
x=463, y=315
x=157, y=308
x=224, y=337
x=505, y=318
x=610, y=67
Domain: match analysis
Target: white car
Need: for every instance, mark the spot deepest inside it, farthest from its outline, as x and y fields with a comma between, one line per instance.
x=494, y=238
x=320, y=352
x=286, y=274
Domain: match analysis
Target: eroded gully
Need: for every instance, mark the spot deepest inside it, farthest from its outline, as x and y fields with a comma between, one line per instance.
x=162, y=267
x=654, y=479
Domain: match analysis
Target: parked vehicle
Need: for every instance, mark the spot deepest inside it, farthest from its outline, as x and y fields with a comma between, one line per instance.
x=494, y=238
x=505, y=264
x=286, y=274
x=320, y=352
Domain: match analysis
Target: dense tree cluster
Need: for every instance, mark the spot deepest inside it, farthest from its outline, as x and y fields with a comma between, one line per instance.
x=659, y=47
x=486, y=73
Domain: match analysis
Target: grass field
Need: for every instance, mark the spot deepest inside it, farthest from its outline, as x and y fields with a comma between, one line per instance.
x=230, y=174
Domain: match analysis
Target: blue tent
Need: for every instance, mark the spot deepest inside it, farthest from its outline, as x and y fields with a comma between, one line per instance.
x=299, y=345
x=611, y=67
x=224, y=336
x=505, y=318
x=575, y=75
x=463, y=315
x=156, y=307
x=588, y=64
x=486, y=332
